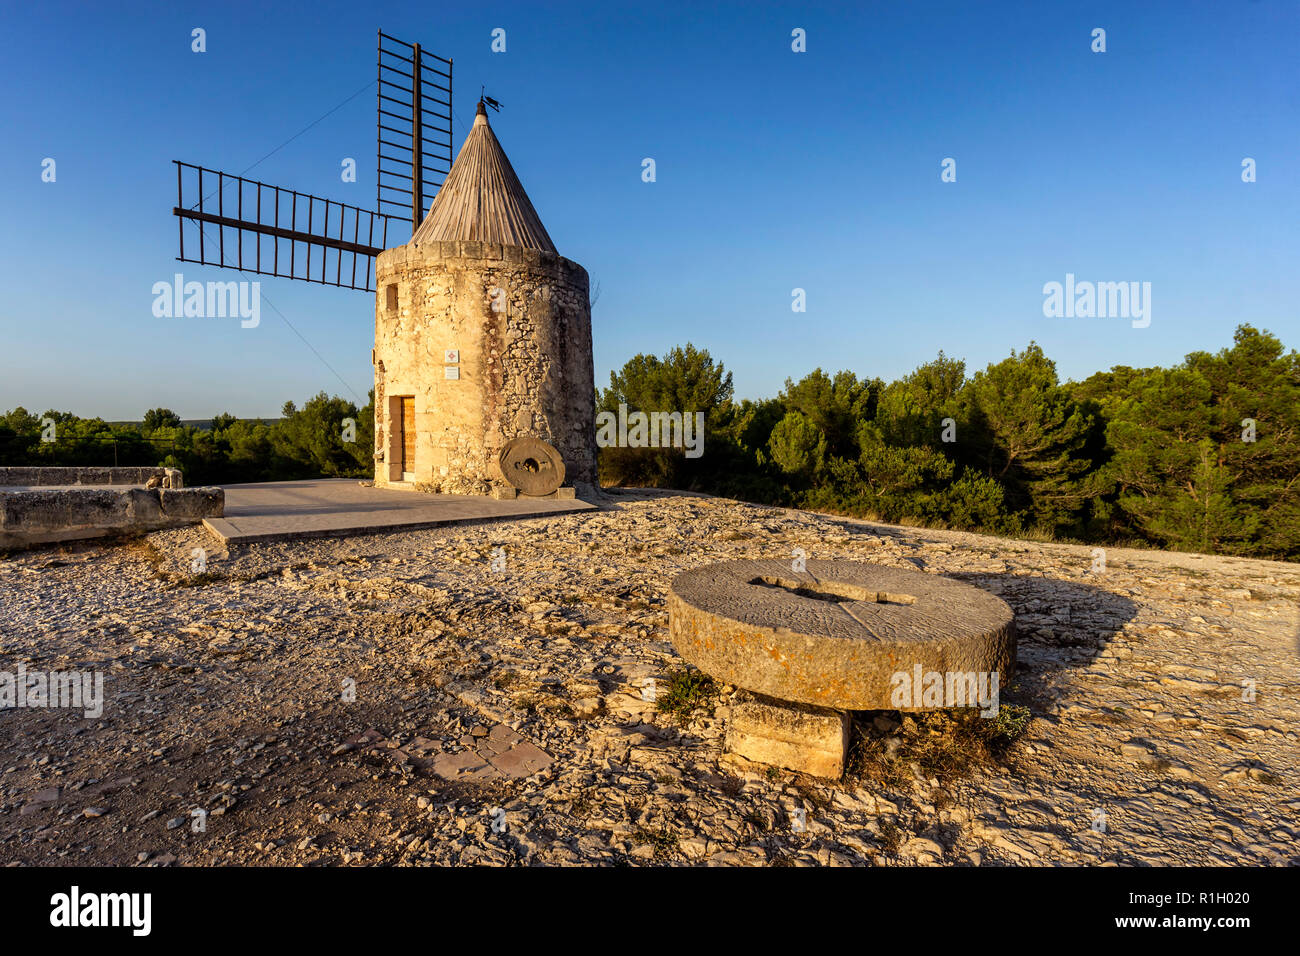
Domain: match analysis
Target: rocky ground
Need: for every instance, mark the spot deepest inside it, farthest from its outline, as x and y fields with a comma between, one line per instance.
x=486, y=695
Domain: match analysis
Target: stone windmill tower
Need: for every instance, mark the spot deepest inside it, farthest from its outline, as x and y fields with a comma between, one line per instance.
x=482, y=342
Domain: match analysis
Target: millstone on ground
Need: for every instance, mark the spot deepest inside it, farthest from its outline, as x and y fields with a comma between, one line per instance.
x=832, y=636
x=835, y=634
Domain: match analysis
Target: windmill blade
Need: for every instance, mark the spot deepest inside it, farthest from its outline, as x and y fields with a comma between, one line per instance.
x=276, y=231
x=272, y=230
x=414, y=128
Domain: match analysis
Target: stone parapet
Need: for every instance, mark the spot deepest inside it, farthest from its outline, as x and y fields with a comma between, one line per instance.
x=39, y=515
x=480, y=254
x=41, y=475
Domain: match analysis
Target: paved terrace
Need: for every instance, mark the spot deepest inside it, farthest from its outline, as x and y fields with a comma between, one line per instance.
x=278, y=510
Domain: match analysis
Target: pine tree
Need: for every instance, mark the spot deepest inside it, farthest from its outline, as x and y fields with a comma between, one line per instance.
x=1027, y=433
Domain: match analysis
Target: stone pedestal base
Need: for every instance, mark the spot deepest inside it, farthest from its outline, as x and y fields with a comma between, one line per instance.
x=506, y=493
x=799, y=737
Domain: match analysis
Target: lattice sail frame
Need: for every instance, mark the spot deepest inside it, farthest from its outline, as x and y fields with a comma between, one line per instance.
x=288, y=229
x=421, y=100
x=283, y=232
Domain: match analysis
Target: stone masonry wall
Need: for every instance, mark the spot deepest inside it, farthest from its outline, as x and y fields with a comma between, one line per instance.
x=41, y=514
x=525, y=368
x=41, y=475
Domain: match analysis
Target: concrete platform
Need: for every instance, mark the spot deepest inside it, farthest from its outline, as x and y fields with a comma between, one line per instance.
x=281, y=510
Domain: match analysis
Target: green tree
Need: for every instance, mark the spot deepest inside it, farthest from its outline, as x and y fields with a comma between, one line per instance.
x=834, y=406
x=222, y=421
x=798, y=447
x=157, y=418
x=911, y=411
x=1025, y=431
x=314, y=441
x=684, y=380
x=1256, y=391
x=1206, y=455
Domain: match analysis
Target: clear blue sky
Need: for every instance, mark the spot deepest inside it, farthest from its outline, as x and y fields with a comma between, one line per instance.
x=775, y=170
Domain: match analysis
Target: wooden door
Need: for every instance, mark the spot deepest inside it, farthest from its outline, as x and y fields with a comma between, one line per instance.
x=408, y=435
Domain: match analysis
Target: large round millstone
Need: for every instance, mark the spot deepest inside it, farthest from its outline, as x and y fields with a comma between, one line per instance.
x=532, y=466
x=838, y=634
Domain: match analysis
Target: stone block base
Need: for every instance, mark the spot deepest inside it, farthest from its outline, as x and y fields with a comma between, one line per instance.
x=506, y=492
x=799, y=737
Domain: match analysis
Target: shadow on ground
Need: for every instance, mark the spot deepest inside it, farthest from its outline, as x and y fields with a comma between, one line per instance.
x=1060, y=624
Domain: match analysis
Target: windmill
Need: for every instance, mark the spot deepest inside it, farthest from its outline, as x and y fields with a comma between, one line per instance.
x=482, y=359
x=279, y=231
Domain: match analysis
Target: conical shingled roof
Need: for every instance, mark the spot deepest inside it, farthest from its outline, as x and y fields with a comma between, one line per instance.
x=482, y=200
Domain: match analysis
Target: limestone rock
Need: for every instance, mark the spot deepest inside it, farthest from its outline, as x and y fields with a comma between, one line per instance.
x=811, y=740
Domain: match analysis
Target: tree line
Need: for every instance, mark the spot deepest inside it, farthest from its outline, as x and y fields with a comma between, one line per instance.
x=328, y=437
x=1203, y=456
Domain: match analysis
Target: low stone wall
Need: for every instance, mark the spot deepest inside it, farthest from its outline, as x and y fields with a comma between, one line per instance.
x=47, y=507
x=38, y=476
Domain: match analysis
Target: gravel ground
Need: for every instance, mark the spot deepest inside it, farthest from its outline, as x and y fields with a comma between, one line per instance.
x=301, y=703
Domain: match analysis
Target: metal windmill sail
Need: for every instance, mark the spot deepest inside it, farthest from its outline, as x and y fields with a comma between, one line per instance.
x=238, y=223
